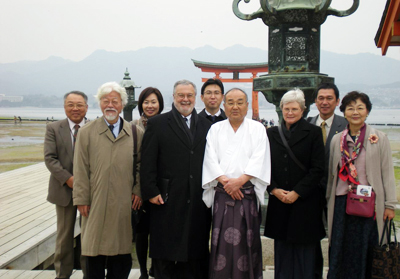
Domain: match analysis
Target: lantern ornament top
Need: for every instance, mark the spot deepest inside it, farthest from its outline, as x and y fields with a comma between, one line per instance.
x=272, y=7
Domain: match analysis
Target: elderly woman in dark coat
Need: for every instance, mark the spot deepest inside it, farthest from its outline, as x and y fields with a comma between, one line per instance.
x=294, y=215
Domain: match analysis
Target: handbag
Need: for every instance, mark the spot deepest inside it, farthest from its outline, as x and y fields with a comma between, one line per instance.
x=361, y=206
x=386, y=257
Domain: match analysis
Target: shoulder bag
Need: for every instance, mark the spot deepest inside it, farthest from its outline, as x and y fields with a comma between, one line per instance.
x=360, y=206
x=285, y=143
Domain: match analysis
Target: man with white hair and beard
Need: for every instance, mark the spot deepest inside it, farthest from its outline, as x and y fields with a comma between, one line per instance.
x=173, y=150
x=104, y=189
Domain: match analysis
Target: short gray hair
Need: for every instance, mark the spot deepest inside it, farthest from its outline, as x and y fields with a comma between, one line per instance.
x=109, y=87
x=294, y=95
x=185, y=82
x=235, y=88
x=76, y=92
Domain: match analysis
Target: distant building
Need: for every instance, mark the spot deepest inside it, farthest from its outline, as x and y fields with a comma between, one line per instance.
x=12, y=99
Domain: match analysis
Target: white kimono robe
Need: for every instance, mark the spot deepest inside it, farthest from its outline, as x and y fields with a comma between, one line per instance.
x=233, y=154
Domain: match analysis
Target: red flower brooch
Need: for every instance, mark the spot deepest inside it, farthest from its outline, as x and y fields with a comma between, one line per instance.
x=373, y=138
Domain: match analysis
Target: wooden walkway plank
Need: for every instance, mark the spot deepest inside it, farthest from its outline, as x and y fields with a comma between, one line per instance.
x=46, y=274
x=9, y=213
x=27, y=235
x=28, y=203
x=14, y=224
x=25, y=252
x=27, y=228
x=33, y=213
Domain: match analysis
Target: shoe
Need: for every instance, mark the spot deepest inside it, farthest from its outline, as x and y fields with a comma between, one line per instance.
x=144, y=276
x=151, y=271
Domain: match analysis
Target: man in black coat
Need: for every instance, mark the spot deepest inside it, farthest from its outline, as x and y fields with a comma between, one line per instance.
x=212, y=93
x=172, y=157
x=326, y=100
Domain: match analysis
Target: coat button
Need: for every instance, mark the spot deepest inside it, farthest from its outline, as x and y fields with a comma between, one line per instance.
x=285, y=169
x=191, y=152
x=188, y=201
x=191, y=176
x=284, y=155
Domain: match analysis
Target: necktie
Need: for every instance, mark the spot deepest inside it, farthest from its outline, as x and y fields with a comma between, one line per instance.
x=112, y=129
x=323, y=124
x=213, y=118
x=76, y=128
x=187, y=122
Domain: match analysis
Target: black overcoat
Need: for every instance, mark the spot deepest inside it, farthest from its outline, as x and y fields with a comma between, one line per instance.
x=172, y=165
x=300, y=222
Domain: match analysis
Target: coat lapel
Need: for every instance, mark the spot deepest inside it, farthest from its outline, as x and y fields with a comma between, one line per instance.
x=336, y=128
x=178, y=130
x=65, y=135
x=103, y=128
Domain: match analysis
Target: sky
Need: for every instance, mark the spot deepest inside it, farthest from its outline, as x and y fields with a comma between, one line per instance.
x=73, y=29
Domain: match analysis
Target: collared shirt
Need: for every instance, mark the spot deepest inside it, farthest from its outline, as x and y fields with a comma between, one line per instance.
x=116, y=126
x=217, y=114
x=328, y=123
x=72, y=128
x=189, y=117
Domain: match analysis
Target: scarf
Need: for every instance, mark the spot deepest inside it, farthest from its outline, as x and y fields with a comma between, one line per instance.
x=348, y=172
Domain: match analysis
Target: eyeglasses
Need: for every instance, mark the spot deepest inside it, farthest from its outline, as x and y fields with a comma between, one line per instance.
x=352, y=109
x=106, y=102
x=182, y=96
x=73, y=106
x=293, y=110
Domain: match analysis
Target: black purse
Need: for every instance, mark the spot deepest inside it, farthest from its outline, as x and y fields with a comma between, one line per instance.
x=386, y=257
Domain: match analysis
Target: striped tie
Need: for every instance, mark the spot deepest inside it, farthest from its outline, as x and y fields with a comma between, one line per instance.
x=76, y=128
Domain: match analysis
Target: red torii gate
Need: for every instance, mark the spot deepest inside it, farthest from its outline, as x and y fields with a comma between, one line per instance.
x=236, y=68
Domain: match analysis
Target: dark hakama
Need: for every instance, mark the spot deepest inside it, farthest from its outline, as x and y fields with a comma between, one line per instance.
x=235, y=244
x=352, y=241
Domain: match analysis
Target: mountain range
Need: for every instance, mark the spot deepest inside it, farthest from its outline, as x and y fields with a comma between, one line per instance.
x=161, y=66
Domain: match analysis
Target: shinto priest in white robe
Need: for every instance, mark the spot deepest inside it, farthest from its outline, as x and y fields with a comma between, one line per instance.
x=231, y=153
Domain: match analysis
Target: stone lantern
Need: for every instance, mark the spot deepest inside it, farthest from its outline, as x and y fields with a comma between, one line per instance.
x=130, y=90
x=293, y=46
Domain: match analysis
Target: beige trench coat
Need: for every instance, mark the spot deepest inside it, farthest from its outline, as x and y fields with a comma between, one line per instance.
x=380, y=175
x=103, y=179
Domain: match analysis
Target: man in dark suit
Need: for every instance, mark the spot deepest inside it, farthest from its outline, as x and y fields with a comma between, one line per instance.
x=171, y=170
x=58, y=156
x=326, y=100
x=212, y=93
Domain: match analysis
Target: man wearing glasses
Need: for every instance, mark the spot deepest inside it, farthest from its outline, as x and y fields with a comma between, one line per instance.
x=212, y=93
x=170, y=175
x=59, y=148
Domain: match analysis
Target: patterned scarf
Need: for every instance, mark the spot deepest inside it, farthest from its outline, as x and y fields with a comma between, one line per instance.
x=348, y=172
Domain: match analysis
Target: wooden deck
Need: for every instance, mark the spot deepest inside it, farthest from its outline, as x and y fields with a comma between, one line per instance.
x=49, y=274
x=27, y=219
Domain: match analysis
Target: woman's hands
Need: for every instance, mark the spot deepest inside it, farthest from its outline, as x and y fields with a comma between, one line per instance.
x=284, y=196
x=389, y=213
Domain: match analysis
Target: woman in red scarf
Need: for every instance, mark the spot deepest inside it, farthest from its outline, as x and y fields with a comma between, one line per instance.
x=359, y=156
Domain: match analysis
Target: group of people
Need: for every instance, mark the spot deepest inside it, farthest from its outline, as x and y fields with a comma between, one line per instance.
x=197, y=177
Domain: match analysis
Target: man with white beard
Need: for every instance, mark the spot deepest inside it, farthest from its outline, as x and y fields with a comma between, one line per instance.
x=104, y=185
